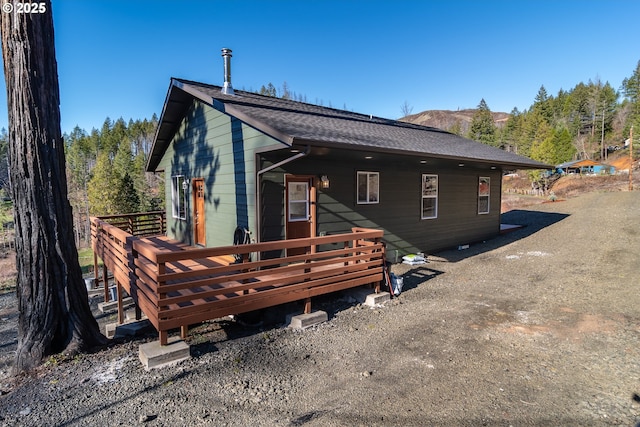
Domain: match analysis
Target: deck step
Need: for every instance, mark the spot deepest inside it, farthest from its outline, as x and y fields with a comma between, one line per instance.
x=153, y=355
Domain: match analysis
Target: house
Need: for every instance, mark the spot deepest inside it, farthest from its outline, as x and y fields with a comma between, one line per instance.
x=286, y=169
x=585, y=166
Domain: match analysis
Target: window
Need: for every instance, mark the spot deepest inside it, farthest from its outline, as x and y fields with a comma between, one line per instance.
x=484, y=188
x=429, y=196
x=298, y=201
x=368, y=187
x=179, y=196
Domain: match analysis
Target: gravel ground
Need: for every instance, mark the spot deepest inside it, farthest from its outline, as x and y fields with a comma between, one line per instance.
x=540, y=326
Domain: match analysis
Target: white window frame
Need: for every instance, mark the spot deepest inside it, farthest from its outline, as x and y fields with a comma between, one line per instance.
x=429, y=196
x=178, y=197
x=482, y=195
x=369, y=200
x=304, y=201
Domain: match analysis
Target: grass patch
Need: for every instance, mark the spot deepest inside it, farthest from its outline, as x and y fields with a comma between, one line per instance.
x=85, y=257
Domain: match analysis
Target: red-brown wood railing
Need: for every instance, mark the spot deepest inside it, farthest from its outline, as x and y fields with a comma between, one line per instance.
x=177, y=286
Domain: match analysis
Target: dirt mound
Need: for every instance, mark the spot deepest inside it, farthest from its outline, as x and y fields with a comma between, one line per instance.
x=575, y=185
x=621, y=163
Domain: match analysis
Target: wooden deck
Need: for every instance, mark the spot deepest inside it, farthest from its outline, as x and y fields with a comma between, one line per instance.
x=176, y=285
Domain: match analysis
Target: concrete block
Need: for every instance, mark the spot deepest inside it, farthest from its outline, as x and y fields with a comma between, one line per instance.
x=130, y=316
x=105, y=307
x=303, y=321
x=369, y=298
x=110, y=330
x=374, y=299
x=153, y=355
x=129, y=329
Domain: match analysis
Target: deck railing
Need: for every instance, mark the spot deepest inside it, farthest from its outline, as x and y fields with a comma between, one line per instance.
x=111, y=238
x=178, y=286
x=139, y=224
x=190, y=286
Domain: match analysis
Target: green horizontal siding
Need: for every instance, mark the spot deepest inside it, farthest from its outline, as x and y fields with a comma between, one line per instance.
x=211, y=145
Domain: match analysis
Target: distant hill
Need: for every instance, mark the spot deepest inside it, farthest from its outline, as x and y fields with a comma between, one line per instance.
x=447, y=120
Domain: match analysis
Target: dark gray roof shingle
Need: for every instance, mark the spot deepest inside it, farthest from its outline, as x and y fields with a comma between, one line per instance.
x=292, y=121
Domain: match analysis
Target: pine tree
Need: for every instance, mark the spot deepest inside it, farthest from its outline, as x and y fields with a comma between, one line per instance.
x=631, y=91
x=103, y=187
x=482, y=127
x=543, y=105
x=269, y=90
x=127, y=199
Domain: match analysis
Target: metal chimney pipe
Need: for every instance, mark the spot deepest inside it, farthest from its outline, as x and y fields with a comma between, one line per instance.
x=227, y=88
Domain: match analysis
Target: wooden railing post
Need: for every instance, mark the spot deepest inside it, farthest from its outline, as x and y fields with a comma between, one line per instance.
x=119, y=299
x=105, y=281
x=163, y=334
x=94, y=246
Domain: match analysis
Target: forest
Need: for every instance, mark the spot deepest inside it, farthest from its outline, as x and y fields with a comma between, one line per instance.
x=585, y=122
x=106, y=166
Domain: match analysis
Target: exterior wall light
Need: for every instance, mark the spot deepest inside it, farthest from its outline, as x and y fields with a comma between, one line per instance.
x=324, y=182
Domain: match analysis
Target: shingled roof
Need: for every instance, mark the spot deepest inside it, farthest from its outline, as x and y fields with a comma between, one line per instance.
x=293, y=122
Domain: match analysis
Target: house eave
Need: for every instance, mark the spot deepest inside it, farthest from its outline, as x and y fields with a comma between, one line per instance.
x=496, y=163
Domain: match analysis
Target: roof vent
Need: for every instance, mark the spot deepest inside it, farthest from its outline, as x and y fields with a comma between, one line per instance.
x=227, y=88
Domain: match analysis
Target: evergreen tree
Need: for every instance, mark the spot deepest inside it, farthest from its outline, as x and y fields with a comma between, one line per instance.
x=103, y=187
x=127, y=199
x=556, y=148
x=512, y=132
x=543, y=105
x=631, y=92
x=269, y=90
x=482, y=128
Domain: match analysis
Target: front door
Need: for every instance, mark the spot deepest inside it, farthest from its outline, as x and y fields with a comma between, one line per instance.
x=198, y=211
x=300, y=209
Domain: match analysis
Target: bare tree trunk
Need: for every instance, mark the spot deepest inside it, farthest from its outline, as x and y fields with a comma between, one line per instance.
x=52, y=299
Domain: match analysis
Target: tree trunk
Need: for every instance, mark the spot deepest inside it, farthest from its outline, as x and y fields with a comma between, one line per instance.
x=52, y=299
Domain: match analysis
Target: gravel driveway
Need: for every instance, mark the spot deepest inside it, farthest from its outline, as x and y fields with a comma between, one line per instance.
x=540, y=326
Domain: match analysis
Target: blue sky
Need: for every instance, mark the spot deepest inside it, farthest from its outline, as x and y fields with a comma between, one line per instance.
x=115, y=58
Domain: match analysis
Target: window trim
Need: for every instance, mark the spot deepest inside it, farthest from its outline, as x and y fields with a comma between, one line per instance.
x=423, y=197
x=306, y=202
x=368, y=175
x=178, y=206
x=482, y=196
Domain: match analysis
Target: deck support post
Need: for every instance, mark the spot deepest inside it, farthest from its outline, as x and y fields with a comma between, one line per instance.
x=307, y=306
x=184, y=331
x=120, y=305
x=105, y=281
x=163, y=337
x=96, y=281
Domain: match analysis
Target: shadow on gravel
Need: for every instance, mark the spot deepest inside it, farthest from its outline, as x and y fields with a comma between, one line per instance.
x=418, y=276
x=531, y=222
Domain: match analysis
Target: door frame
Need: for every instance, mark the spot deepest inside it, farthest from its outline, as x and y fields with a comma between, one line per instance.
x=203, y=224
x=311, y=179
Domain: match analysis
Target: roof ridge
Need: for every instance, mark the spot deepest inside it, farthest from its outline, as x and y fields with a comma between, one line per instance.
x=342, y=114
